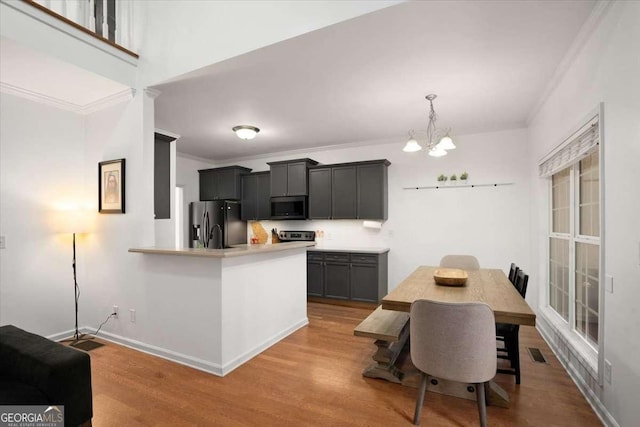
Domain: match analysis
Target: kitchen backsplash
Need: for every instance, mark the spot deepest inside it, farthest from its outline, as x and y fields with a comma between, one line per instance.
x=335, y=233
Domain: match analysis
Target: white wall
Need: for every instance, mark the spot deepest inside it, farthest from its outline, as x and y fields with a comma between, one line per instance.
x=41, y=166
x=606, y=70
x=424, y=225
x=122, y=131
x=180, y=37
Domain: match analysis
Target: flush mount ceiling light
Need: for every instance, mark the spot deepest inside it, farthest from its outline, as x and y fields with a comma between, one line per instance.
x=435, y=149
x=246, y=131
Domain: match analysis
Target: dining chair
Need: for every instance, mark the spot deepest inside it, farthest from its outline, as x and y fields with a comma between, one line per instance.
x=455, y=342
x=513, y=271
x=510, y=334
x=464, y=262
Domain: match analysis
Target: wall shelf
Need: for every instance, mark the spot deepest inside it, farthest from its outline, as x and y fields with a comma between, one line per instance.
x=444, y=187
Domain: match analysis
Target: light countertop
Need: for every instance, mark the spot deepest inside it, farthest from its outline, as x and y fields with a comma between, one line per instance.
x=350, y=249
x=240, y=250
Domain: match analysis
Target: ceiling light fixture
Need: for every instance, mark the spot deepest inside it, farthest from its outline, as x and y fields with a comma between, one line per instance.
x=245, y=131
x=434, y=149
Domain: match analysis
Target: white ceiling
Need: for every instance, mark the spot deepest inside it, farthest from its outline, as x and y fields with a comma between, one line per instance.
x=365, y=79
x=38, y=75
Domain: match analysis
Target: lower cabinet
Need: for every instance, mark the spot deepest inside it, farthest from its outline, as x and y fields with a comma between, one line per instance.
x=350, y=276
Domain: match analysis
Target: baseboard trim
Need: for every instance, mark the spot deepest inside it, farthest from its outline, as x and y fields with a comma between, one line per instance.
x=183, y=359
x=545, y=329
x=233, y=364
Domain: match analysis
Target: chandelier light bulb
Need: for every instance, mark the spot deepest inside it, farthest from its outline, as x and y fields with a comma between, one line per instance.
x=246, y=132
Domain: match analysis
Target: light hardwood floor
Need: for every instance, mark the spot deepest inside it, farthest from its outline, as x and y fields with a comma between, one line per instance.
x=313, y=378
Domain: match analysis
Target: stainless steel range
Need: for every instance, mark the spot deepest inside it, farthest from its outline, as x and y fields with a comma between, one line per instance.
x=297, y=236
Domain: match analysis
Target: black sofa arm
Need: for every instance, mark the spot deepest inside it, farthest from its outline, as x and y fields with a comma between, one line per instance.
x=62, y=373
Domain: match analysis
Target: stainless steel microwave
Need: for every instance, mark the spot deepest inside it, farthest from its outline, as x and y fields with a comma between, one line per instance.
x=292, y=207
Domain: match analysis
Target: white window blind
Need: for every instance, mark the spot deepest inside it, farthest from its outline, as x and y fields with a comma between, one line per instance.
x=572, y=149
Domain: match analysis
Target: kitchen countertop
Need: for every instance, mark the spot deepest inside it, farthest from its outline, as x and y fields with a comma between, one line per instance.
x=240, y=250
x=349, y=249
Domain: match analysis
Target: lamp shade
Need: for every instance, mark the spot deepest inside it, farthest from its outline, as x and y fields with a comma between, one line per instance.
x=446, y=143
x=246, y=132
x=412, y=146
x=71, y=220
x=437, y=152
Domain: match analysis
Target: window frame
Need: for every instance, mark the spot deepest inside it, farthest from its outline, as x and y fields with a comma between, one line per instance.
x=593, y=355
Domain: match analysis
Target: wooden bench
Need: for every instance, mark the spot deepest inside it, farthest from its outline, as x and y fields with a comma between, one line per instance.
x=390, y=329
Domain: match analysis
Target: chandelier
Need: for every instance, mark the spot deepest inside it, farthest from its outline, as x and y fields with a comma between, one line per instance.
x=444, y=141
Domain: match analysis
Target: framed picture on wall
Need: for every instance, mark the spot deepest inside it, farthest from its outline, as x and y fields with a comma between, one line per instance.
x=111, y=186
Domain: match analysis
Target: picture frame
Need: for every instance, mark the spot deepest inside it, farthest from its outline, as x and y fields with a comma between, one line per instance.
x=111, y=186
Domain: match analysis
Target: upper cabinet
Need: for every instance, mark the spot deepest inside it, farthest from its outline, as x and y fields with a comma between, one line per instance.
x=320, y=193
x=255, y=196
x=289, y=178
x=222, y=183
x=372, y=190
x=349, y=191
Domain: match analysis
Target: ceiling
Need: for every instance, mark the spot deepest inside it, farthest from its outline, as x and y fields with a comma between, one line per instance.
x=365, y=79
x=34, y=74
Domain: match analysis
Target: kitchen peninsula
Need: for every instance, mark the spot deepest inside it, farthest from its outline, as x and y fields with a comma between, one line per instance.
x=214, y=309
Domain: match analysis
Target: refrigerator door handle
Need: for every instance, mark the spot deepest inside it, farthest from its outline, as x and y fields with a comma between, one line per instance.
x=205, y=234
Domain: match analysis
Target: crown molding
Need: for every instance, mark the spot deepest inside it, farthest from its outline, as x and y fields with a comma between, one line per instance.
x=588, y=28
x=152, y=93
x=92, y=107
x=39, y=97
x=167, y=133
x=118, y=97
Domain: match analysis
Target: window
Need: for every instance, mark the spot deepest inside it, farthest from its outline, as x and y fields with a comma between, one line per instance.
x=574, y=239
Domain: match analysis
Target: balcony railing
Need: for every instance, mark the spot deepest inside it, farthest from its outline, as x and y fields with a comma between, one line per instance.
x=107, y=20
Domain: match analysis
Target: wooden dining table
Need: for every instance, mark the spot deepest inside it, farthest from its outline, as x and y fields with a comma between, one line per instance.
x=490, y=286
x=486, y=285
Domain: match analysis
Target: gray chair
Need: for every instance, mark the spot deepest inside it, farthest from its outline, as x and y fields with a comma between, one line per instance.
x=455, y=342
x=464, y=262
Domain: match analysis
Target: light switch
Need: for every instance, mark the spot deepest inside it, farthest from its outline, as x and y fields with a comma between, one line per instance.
x=608, y=283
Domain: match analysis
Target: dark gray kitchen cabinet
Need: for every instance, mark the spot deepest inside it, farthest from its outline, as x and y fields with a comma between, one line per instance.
x=278, y=180
x=289, y=178
x=336, y=284
x=372, y=190
x=315, y=275
x=222, y=183
x=361, y=280
x=264, y=195
x=162, y=176
x=255, y=196
x=350, y=276
x=343, y=194
x=356, y=190
x=320, y=193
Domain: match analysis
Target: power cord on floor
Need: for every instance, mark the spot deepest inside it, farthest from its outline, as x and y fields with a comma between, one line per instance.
x=106, y=320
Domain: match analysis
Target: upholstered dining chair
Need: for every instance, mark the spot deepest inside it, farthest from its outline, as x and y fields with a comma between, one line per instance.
x=510, y=334
x=455, y=342
x=464, y=262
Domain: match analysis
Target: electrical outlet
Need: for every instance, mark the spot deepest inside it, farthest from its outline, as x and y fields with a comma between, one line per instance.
x=116, y=311
x=132, y=314
x=3, y=242
x=607, y=371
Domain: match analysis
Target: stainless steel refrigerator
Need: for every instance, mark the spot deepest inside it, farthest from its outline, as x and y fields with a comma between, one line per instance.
x=216, y=225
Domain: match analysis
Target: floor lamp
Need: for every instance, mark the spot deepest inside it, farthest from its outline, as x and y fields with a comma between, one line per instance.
x=74, y=222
